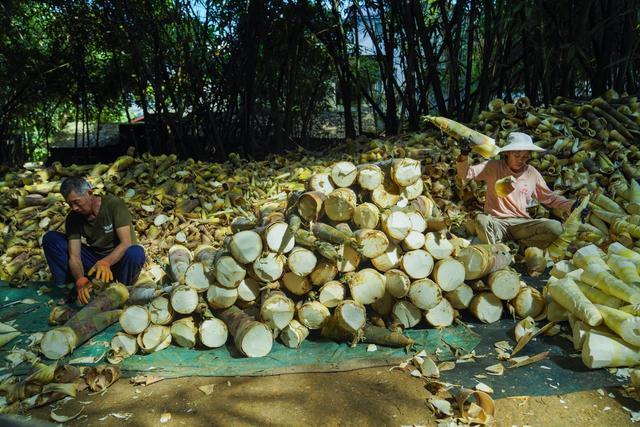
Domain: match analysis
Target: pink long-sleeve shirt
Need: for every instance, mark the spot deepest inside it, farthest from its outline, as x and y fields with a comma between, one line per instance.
x=529, y=184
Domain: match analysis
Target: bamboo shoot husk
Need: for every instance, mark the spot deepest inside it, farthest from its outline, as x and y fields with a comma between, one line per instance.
x=417, y=264
x=382, y=336
x=480, y=260
x=179, y=260
x=406, y=313
x=601, y=350
x=366, y=285
x=294, y=334
x=566, y=293
x=535, y=260
x=213, y=333
x=441, y=315
x=366, y=216
x=588, y=255
x=448, y=273
x=246, y=246
x=625, y=325
x=624, y=269
x=183, y=332
x=556, y=312
x=486, y=307
x=340, y=204
x=313, y=315
x=597, y=276
x=596, y=296
x=297, y=285
x=397, y=283
x=251, y=338
x=311, y=205
x=184, y=300
x=384, y=305
x=558, y=247
x=460, y=298
x=276, y=309
x=425, y=294
x=331, y=293
x=505, y=284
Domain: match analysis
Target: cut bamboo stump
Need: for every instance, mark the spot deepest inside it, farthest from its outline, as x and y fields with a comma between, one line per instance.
x=340, y=204
x=343, y=174
x=369, y=177
x=251, y=338
x=295, y=284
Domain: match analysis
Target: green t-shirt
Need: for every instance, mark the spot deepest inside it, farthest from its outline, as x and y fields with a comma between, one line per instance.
x=101, y=234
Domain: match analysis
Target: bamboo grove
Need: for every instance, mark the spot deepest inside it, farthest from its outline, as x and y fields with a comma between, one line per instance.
x=223, y=75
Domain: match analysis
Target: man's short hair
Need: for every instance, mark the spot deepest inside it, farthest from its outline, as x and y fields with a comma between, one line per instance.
x=77, y=184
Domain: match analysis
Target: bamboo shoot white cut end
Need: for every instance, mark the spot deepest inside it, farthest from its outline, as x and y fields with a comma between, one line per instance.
x=366, y=285
x=438, y=245
x=294, y=334
x=389, y=259
x=425, y=294
x=295, y=284
x=248, y=290
x=245, y=246
x=529, y=303
x=154, y=338
x=405, y=171
x=448, y=273
x=229, y=273
x=321, y=182
x=349, y=259
x=57, y=343
x=396, y=225
x=160, y=311
x=219, y=297
x=441, y=315
x=279, y=238
x=414, y=240
x=505, y=284
x=184, y=300
x=313, y=315
x=213, y=333
x=134, y=319
x=195, y=277
x=373, y=243
x=370, y=177
x=486, y=307
x=323, y=273
x=350, y=316
x=301, y=261
x=183, y=332
x=406, y=313
x=366, y=216
x=331, y=293
x=269, y=267
x=343, y=174
x=276, y=309
x=340, y=204
x=397, y=283
x=417, y=264
x=256, y=340
x=460, y=298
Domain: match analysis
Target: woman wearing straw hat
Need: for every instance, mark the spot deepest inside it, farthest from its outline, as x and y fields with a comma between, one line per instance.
x=507, y=217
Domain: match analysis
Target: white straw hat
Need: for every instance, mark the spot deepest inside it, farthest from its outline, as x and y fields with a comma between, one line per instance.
x=518, y=141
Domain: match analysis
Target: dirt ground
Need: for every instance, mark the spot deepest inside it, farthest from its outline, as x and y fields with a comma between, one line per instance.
x=374, y=396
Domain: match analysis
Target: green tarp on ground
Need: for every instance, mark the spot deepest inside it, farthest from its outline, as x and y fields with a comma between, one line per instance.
x=561, y=372
x=315, y=355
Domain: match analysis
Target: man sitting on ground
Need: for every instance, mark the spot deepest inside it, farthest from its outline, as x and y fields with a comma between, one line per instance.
x=111, y=249
x=507, y=217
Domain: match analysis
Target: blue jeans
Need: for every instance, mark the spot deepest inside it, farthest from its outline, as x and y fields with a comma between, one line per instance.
x=56, y=250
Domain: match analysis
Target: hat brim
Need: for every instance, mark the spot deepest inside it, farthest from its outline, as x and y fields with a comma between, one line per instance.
x=521, y=147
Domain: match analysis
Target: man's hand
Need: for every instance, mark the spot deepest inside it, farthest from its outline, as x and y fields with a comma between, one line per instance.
x=465, y=146
x=102, y=271
x=83, y=287
x=585, y=212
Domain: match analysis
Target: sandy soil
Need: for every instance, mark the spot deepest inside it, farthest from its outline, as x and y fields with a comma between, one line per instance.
x=372, y=396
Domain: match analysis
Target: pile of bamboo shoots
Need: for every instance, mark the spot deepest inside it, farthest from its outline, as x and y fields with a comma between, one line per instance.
x=360, y=256
x=599, y=294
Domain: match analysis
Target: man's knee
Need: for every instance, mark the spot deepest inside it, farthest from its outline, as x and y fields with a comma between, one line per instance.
x=135, y=254
x=51, y=239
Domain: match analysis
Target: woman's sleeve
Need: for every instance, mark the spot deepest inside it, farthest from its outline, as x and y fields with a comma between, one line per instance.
x=478, y=172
